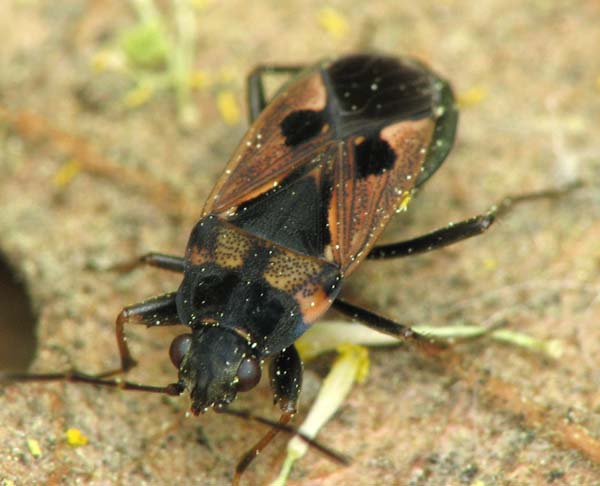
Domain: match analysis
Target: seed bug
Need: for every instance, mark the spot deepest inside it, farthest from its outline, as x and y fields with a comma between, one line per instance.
x=326, y=163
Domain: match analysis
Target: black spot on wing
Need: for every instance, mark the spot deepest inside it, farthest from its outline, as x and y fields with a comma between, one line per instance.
x=300, y=126
x=373, y=156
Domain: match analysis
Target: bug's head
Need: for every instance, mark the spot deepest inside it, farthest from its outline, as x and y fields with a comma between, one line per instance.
x=215, y=363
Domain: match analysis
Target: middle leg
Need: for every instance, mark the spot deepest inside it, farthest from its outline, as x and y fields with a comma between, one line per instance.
x=387, y=326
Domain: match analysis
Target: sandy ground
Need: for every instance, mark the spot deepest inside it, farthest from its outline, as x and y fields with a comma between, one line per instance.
x=528, y=76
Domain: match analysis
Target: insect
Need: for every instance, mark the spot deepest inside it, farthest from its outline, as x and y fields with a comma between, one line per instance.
x=324, y=166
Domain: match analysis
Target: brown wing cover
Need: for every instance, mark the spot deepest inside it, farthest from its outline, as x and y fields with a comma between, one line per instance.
x=361, y=207
x=262, y=159
x=369, y=148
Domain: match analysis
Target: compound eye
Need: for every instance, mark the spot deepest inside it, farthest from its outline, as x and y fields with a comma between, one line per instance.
x=179, y=348
x=248, y=374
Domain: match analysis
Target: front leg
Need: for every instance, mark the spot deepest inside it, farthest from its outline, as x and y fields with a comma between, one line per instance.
x=158, y=311
x=286, y=382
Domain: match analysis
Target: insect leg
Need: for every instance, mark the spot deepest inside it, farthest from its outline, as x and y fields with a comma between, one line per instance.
x=158, y=260
x=285, y=373
x=286, y=381
x=256, y=90
x=456, y=232
x=387, y=326
x=157, y=311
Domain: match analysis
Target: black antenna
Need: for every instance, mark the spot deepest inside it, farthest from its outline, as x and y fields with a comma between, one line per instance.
x=290, y=430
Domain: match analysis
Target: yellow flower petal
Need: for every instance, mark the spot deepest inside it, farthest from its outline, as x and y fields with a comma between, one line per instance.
x=34, y=447
x=228, y=107
x=66, y=174
x=333, y=21
x=75, y=437
x=472, y=96
x=138, y=96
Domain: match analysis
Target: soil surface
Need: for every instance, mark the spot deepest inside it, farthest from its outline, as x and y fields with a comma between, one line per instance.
x=90, y=176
